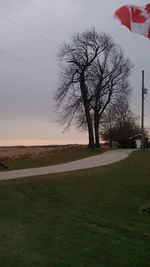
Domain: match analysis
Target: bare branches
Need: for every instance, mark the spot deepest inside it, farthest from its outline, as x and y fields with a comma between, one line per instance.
x=94, y=72
x=119, y=123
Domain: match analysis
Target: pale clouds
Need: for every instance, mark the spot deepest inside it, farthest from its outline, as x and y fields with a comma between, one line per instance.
x=26, y=92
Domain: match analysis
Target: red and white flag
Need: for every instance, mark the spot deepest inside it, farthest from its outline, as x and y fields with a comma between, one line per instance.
x=135, y=18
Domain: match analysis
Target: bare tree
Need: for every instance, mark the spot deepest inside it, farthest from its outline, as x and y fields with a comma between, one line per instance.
x=93, y=71
x=110, y=75
x=119, y=123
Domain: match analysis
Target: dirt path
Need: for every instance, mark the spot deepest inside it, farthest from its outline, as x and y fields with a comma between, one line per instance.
x=103, y=159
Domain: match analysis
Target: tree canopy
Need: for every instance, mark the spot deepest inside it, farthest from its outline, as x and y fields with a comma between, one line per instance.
x=94, y=71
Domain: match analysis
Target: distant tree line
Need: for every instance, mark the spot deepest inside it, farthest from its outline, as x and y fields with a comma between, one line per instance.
x=94, y=89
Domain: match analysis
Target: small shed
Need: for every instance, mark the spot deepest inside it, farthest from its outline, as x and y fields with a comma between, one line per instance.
x=136, y=141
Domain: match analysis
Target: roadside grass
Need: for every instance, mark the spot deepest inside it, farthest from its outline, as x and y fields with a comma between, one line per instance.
x=55, y=156
x=81, y=219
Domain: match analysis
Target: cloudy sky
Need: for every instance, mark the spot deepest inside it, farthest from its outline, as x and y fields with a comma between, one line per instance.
x=31, y=31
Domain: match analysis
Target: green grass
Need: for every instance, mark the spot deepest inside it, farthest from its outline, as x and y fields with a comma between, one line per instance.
x=50, y=158
x=80, y=219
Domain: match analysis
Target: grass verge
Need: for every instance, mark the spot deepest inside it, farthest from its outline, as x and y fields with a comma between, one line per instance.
x=79, y=219
x=55, y=156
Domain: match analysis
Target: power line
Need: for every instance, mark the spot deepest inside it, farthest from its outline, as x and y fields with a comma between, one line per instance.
x=24, y=27
x=25, y=61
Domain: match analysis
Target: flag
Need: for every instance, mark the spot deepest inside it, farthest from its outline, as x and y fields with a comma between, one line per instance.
x=135, y=18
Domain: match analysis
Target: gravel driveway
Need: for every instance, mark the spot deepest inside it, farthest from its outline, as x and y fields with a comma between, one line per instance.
x=103, y=159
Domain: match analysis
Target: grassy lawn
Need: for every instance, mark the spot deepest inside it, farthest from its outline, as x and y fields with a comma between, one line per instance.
x=53, y=157
x=81, y=219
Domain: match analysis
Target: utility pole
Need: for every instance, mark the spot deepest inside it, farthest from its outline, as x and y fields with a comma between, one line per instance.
x=142, y=117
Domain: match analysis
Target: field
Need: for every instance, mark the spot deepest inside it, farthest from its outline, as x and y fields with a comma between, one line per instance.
x=92, y=218
x=29, y=151
x=36, y=156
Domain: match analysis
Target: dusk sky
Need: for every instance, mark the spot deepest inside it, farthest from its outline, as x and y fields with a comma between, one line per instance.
x=31, y=32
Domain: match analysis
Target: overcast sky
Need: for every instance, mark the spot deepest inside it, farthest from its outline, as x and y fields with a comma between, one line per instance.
x=27, y=109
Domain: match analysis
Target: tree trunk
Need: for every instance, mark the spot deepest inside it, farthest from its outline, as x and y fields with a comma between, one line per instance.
x=110, y=137
x=87, y=111
x=96, y=128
